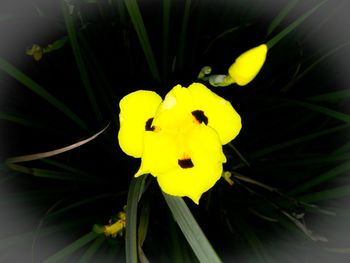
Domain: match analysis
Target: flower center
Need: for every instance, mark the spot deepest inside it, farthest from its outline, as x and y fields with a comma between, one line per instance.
x=148, y=126
x=185, y=163
x=200, y=117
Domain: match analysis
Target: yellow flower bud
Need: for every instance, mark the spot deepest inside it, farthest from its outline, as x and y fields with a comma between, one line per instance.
x=248, y=65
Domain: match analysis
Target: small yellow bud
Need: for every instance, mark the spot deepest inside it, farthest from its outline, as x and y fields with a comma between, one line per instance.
x=248, y=65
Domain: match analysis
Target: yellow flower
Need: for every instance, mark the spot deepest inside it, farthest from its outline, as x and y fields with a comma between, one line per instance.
x=248, y=65
x=36, y=51
x=179, y=139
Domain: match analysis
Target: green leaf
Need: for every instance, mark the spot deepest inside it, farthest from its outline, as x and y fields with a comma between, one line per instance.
x=191, y=230
x=182, y=38
x=292, y=26
x=331, y=174
x=136, y=18
x=332, y=113
x=334, y=96
x=328, y=194
x=253, y=241
x=33, y=86
x=309, y=68
x=89, y=253
x=134, y=195
x=306, y=138
x=70, y=249
x=166, y=22
x=277, y=20
x=73, y=39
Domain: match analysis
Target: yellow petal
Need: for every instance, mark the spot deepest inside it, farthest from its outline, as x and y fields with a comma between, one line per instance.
x=159, y=153
x=135, y=110
x=175, y=111
x=205, y=152
x=222, y=117
x=248, y=65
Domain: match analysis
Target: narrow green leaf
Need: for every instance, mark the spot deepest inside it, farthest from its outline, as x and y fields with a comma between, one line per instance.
x=332, y=113
x=166, y=22
x=343, y=149
x=182, y=38
x=253, y=241
x=51, y=174
x=33, y=86
x=134, y=195
x=333, y=193
x=89, y=253
x=65, y=167
x=143, y=225
x=331, y=174
x=73, y=39
x=136, y=18
x=223, y=34
x=70, y=249
x=309, y=68
x=334, y=96
x=19, y=120
x=306, y=138
x=83, y=202
x=292, y=26
x=191, y=230
x=277, y=20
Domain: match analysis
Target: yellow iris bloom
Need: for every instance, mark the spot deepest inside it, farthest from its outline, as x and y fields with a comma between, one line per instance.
x=179, y=139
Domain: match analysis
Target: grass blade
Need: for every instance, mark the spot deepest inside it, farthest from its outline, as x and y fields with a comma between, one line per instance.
x=191, y=230
x=19, y=120
x=92, y=250
x=70, y=249
x=134, y=195
x=340, y=169
x=334, y=96
x=326, y=194
x=292, y=26
x=277, y=20
x=309, y=68
x=33, y=86
x=166, y=22
x=254, y=242
x=136, y=18
x=332, y=113
x=182, y=37
x=309, y=137
x=73, y=39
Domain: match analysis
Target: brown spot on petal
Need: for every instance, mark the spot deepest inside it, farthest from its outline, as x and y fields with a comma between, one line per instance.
x=149, y=126
x=185, y=163
x=200, y=117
